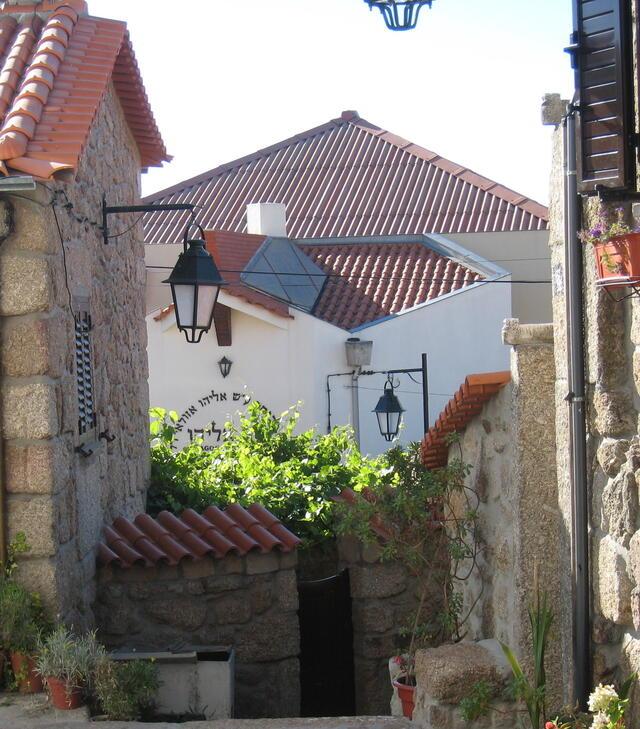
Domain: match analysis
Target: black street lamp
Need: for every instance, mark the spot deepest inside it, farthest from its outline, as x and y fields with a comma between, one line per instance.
x=195, y=284
x=399, y=14
x=389, y=412
x=225, y=366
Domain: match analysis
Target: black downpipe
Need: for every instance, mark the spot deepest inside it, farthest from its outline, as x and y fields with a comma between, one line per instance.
x=577, y=424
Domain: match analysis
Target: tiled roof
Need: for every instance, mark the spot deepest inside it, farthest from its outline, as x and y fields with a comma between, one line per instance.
x=349, y=178
x=216, y=533
x=463, y=406
x=53, y=74
x=369, y=281
x=382, y=279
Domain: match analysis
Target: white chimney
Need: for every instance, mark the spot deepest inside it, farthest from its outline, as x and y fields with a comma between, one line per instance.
x=267, y=219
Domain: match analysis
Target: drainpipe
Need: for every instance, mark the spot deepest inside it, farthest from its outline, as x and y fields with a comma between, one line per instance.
x=355, y=404
x=577, y=423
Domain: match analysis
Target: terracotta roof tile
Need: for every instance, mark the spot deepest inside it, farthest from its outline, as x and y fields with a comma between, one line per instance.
x=463, y=406
x=350, y=178
x=382, y=279
x=170, y=539
x=53, y=76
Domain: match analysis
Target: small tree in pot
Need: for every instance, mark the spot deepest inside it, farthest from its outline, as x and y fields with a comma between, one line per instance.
x=21, y=625
x=424, y=520
x=22, y=620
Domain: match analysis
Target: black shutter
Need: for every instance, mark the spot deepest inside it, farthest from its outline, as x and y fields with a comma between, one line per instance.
x=603, y=65
x=84, y=373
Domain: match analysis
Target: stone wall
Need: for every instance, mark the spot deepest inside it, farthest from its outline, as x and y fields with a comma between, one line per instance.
x=384, y=597
x=57, y=497
x=511, y=447
x=612, y=348
x=250, y=603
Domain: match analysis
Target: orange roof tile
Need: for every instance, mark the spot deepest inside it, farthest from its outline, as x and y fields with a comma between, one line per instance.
x=54, y=73
x=463, y=406
x=169, y=539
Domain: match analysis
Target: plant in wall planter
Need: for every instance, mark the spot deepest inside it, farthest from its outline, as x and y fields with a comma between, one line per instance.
x=67, y=664
x=617, y=249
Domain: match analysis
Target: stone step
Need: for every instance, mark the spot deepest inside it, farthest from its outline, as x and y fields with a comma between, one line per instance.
x=33, y=712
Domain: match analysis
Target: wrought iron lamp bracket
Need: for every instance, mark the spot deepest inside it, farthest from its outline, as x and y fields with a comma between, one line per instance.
x=111, y=209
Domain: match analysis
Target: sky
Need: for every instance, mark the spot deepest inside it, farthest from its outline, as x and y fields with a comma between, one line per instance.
x=228, y=77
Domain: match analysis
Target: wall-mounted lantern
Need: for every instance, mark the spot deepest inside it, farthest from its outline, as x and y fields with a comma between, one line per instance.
x=195, y=284
x=399, y=14
x=195, y=280
x=389, y=412
x=225, y=366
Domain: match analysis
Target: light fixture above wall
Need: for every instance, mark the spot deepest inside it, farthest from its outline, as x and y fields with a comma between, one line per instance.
x=225, y=366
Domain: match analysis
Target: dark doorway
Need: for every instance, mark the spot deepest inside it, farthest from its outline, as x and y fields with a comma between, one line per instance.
x=326, y=647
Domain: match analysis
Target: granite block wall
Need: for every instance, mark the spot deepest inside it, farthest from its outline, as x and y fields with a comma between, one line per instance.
x=249, y=603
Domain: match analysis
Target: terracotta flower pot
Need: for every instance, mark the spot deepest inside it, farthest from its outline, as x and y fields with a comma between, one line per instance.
x=24, y=669
x=407, y=696
x=618, y=261
x=63, y=697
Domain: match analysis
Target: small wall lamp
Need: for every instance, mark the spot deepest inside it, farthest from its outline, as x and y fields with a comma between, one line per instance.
x=225, y=366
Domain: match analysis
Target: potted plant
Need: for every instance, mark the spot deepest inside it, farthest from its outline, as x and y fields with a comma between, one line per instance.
x=21, y=625
x=67, y=664
x=18, y=546
x=424, y=520
x=617, y=249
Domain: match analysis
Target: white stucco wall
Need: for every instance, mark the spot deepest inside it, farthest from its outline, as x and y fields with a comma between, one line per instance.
x=281, y=361
x=525, y=254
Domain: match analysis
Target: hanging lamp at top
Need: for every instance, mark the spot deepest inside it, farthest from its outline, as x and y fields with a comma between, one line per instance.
x=399, y=14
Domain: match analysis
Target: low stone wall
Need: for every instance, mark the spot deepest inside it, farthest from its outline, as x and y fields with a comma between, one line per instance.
x=446, y=675
x=383, y=599
x=250, y=603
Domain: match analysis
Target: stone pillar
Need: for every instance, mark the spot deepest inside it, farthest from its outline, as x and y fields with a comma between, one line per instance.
x=384, y=597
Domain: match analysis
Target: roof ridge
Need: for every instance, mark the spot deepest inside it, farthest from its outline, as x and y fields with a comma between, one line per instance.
x=225, y=167
x=443, y=163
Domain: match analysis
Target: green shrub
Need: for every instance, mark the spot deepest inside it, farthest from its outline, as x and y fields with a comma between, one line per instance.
x=126, y=690
x=263, y=460
x=22, y=619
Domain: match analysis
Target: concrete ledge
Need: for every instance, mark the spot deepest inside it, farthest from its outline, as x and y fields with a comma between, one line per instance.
x=515, y=333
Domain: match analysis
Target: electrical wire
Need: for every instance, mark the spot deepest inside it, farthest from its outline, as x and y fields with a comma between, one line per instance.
x=362, y=277
x=64, y=260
